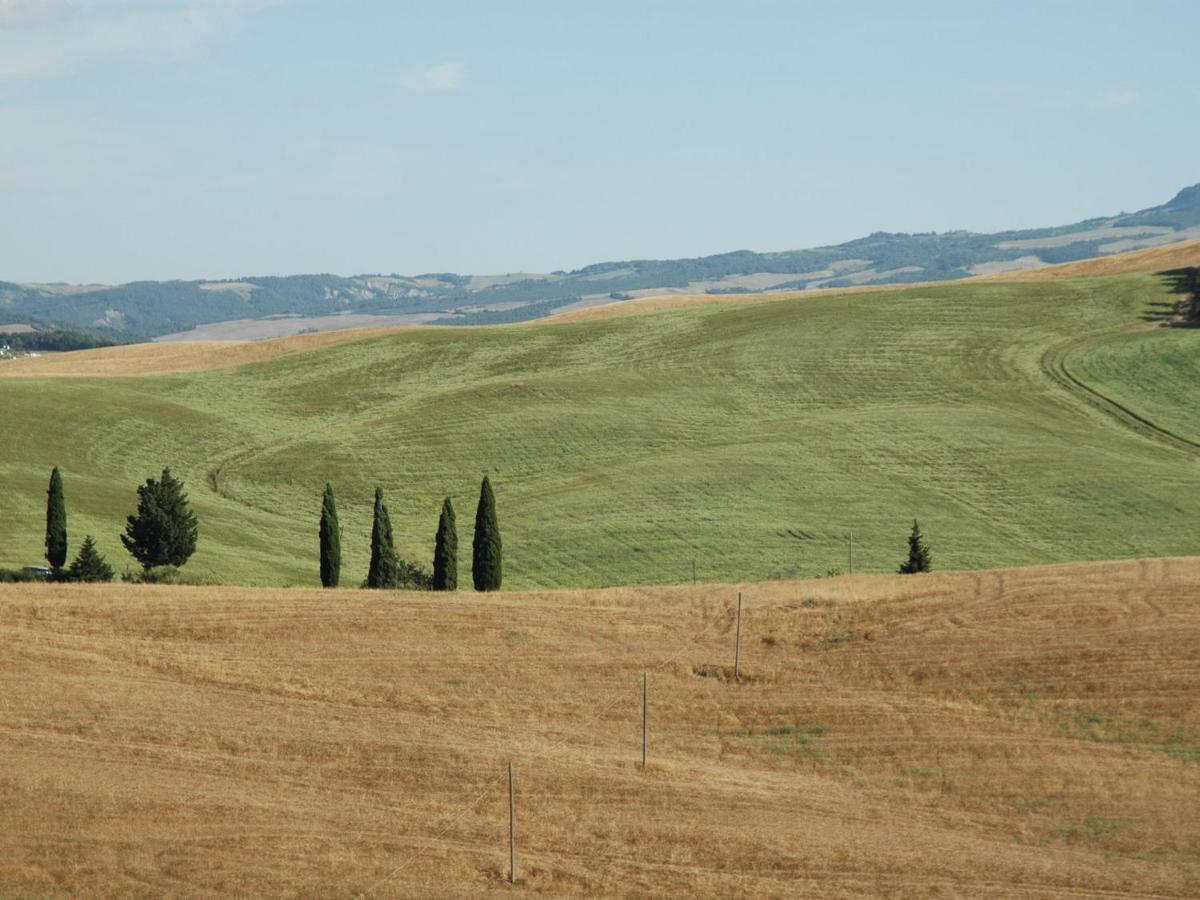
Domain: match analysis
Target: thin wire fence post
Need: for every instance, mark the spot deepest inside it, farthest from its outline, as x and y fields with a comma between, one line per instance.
x=645, y=715
x=737, y=645
x=512, y=830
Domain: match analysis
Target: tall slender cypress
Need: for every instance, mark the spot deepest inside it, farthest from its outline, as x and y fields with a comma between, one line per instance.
x=56, y=522
x=919, y=559
x=445, y=551
x=377, y=542
x=486, y=565
x=390, y=568
x=331, y=541
x=384, y=571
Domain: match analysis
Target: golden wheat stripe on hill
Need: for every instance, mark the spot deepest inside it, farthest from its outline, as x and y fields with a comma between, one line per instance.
x=179, y=357
x=1182, y=255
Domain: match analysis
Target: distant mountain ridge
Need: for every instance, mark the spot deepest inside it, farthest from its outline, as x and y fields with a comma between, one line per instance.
x=151, y=309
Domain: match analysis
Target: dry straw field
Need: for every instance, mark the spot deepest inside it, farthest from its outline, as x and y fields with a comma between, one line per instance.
x=1020, y=732
x=1155, y=259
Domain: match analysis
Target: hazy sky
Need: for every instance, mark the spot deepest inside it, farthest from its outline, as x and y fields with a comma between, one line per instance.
x=211, y=138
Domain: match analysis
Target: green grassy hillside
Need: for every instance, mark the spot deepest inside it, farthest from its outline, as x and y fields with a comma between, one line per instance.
x=749, y=436
x=1154, y=372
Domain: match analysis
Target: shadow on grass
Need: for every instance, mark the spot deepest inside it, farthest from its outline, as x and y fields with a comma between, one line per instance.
x=1185, y=312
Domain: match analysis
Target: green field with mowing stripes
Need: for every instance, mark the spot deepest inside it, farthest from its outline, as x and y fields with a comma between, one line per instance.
x=749, y=437
x=1154, y=372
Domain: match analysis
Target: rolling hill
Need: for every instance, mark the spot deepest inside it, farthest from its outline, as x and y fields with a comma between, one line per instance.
x=1004, y=733
x=263, y=307
x=749, y=435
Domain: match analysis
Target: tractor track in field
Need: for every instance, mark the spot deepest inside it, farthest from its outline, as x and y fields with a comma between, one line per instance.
x=1054, y=364
x=213, y=476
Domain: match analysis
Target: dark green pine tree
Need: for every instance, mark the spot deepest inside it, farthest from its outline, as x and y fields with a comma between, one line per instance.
x=163, y=530
x=445, y=551
x=486, y=564
x=391, y=561
x=383, y=571
x=90, y=565
x=56, y=522
x=377, y=542
x=918, y=553
x=331, y=541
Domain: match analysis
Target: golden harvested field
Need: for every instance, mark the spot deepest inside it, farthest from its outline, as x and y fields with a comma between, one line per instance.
x=1153, y=259
x=178, y=357
x=1021, y=732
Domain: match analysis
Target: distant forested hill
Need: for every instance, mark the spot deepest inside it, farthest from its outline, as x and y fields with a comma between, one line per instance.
x=149, y=309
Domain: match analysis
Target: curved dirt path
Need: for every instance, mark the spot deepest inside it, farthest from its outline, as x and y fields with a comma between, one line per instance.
x=1054, y=363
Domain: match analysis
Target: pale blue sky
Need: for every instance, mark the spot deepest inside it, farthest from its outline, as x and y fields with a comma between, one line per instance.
x=211, y=138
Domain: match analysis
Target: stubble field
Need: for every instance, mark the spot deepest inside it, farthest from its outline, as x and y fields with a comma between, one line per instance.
x=1004, y=733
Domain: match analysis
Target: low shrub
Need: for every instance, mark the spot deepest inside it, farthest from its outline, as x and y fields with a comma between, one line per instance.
x=22, y=576
x=164, y=575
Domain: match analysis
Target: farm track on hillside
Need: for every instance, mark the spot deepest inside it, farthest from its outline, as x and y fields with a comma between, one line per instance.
x=1054, y=364
x=624, y=451
x=213, y=476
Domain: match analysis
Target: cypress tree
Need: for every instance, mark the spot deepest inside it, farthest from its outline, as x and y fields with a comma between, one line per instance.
x=56, y=522
x=373, y=580
x=384, y=571
x=445, y=551
x=390, y=570
x=918, y=553
x=90, y=565
x=331, y=541
x=486, y=566
x=163, y=530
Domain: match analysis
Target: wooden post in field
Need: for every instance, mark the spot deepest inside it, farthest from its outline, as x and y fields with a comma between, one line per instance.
x=645, y=715
x=852, y=553
x=737, y=643
x=512, y=831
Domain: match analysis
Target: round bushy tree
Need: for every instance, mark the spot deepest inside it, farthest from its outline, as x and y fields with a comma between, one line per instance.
x=445, y=551
x=163, y=531
x=486, y=562
x=56, y=522
x=331, y=541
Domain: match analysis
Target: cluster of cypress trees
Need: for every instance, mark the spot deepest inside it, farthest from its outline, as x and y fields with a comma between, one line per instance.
x=89, y=565
x=161, y=533
x=388, y=570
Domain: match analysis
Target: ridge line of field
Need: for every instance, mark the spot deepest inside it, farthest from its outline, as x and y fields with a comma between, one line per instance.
x=1153, y=259
x=196, y=356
